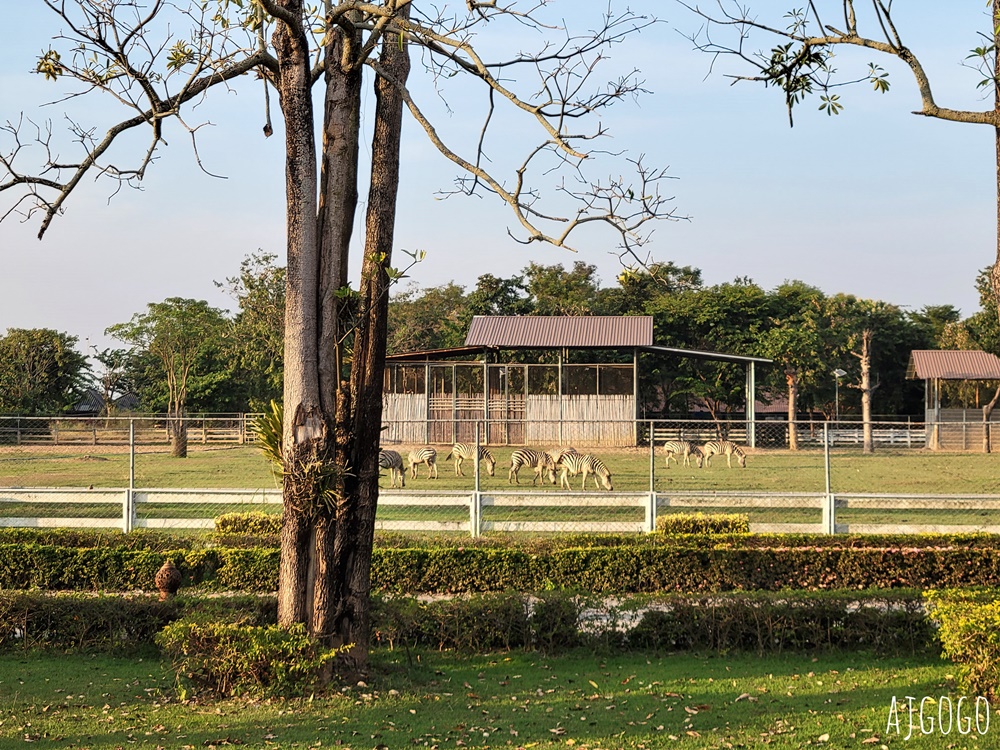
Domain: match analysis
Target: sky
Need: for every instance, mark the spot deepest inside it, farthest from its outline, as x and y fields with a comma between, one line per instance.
x=875, y=202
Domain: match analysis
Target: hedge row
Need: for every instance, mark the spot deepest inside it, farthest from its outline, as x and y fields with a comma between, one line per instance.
x=104, y=623
x=604, y=570
x=891, y=622
x=232, y=536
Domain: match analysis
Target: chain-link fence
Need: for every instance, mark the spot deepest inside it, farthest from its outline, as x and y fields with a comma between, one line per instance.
x=121, y=473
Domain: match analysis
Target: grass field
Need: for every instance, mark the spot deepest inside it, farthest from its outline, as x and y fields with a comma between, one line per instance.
x=520, y=700
x=907, y=472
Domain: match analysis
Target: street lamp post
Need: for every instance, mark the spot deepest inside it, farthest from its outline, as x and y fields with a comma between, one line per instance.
x=838, y=374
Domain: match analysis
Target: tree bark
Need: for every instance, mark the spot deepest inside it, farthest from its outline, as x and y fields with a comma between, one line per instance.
x=356, y=519
x=987, y=414
x=792, y=379
x=306, y=432
x=866, y=391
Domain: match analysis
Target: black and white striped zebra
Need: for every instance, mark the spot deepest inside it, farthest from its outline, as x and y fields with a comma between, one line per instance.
x=724, y=447
x=539, y=461
x=392, y=461
x=583, y=463
x=556, y=454
x=425, y=455
x=462, y=451
x=675, y=448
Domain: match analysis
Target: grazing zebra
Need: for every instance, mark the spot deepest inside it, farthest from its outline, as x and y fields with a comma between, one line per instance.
x=425, y=455
x=556, y=454
x=540, y=461
x=724, y=447
x=580, y=463
x=684, y=448
x=394, y=463
x=462, y=451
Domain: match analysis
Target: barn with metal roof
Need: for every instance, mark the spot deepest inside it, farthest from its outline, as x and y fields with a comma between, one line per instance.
x=434, y=397
x=952, y=427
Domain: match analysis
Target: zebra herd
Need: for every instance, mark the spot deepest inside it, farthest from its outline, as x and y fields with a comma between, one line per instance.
x=567, y=462
x=703, y=453
x=544, y=464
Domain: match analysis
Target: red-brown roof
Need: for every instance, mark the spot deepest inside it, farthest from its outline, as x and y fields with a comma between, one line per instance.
x=544, y=332
x=934, y=364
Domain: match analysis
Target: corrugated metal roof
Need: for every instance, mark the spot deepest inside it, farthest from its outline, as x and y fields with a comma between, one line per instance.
x=550, y=332
x=432, y=354
x=933, y=364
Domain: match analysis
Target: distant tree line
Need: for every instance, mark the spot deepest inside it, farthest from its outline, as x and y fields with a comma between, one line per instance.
x=183, y=356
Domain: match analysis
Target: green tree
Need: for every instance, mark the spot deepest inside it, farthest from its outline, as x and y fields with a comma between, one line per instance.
x=932, y=321
x=556, y=291
x=871, y=340
x=425, y=319
x=794, y=340
x=801, y=61
x=724, y=318
x=255, y=342
x=40, y=371
x=174, y=333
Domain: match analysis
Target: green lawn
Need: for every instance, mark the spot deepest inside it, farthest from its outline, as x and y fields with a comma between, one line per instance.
x=517, y=699
x=916, y=471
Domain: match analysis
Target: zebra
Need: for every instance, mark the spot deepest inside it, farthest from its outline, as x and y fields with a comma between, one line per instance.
x=580, y=463
x=394, y=463
x=724, y=447
x=540, y=461
x=684, y=448
x=462, y=451
x=556, y=454
x=425, y=455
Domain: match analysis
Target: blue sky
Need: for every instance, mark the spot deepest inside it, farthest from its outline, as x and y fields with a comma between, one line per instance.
x=876, y=202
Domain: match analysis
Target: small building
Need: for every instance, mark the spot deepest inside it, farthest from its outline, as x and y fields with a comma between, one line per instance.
x=954, y=427
x=531, y=380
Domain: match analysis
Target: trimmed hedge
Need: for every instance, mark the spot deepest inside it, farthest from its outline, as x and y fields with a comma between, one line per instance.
x=703, y=523
x=117, y=624
x=968, y=624
x=554, y=621
x=652, y=568
x=226, y=659
x=81, y=622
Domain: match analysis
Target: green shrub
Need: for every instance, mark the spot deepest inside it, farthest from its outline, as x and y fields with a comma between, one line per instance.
x=226, y=659
x=75, y=622
x=555, y=622
x=477, y=624
x=254, y=523
x=969, y=632
x=785, y=622
x=703, y=523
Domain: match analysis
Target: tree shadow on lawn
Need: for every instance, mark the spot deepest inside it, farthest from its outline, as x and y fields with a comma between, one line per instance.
x=500, y=700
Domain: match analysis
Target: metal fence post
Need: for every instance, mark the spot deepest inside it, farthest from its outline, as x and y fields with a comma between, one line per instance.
x=129, y=510
x=651, y=503
x=829, y=503
x=476, y=509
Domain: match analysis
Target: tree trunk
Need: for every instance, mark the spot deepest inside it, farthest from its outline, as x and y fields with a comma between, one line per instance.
x=356, y=518
x=306, y=432
x=995, y=274
x=792, y=379
x=987, y=414
x=866, y=391
x=178, y=437
x=338, y=199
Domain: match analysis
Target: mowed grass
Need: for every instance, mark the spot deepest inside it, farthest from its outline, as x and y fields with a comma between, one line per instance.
x=774, y=472
x=239, y=467
x=521, y=700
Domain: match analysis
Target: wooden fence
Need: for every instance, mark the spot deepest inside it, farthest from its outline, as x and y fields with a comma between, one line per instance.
x=475, y=513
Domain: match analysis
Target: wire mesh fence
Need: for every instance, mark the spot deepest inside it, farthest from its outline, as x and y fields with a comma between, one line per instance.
x=121, y=473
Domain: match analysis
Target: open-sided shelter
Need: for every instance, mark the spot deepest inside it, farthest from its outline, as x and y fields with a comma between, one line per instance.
x=949, y=428
x=435, y=397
